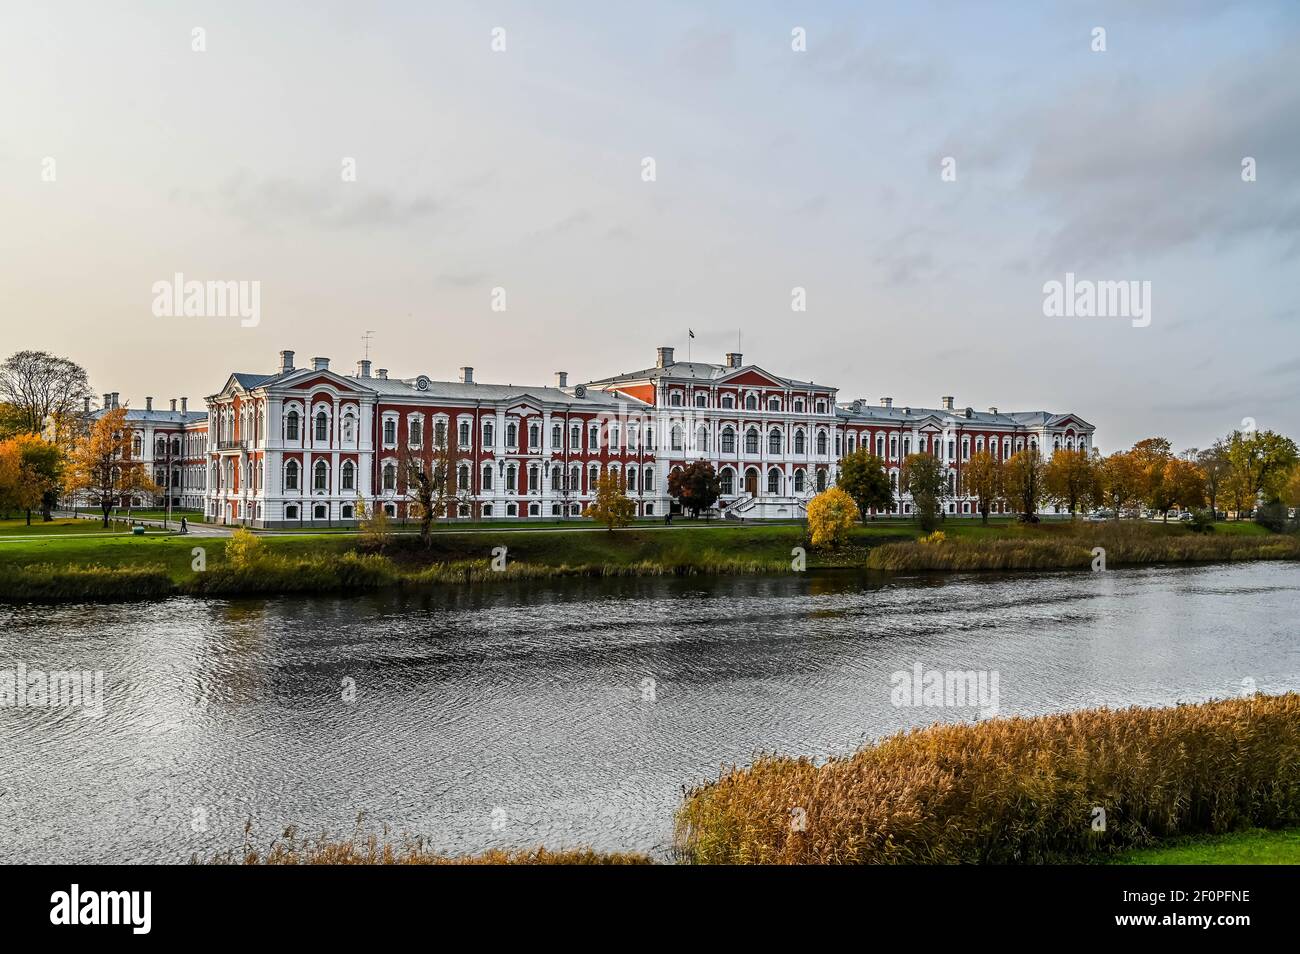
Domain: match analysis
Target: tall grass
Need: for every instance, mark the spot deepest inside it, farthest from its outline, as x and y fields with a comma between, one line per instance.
x=375, y=849
x=48, y=583
x=1124, y=544
x=1022, y=790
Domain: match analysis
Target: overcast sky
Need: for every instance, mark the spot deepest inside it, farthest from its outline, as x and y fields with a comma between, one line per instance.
x=775, y=169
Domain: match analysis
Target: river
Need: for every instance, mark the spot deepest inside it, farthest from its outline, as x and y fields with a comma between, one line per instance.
x=564, y=713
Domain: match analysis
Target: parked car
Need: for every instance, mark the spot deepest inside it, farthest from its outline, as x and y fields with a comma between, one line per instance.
x=1185, y=516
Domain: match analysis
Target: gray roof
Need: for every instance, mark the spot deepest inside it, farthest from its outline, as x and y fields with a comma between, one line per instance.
x=159, y=417
x=460, y=391
x=702, y=370
x=901, y=415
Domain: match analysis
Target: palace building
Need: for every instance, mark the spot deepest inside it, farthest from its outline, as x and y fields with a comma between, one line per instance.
x=305, y=446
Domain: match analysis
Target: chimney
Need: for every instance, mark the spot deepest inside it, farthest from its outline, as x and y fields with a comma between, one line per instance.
x=363, y=368
x=108, y=401
x=993, y=410
x=185, y=405
x=947, y=402
x=886, y=402
x=733, y=359
x=466, y=375
x=85, y=404
x=173, y=405
x=382, y=374
x=148, y=404
x=561, y=379
x=320, y=364
x=286, y=361
x=664, y=357
x=115, y=393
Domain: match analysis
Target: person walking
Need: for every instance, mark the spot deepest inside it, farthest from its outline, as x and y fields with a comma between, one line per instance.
x=185, y=527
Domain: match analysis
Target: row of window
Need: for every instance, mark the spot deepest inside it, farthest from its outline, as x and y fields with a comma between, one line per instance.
x=752, y=402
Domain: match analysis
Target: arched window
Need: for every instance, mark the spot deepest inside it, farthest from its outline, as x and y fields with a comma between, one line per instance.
x=320, y=476
x=648, y=480
x=800, y=442
x=821, y=480
x=348, y=476
x=676, y=438
x=798, y=405
x=488, y=433
x=462, y=477
x=291, y=475
x=751, y=441
x=557, y=436
x=701, y=438
x=821, y=443
x=701, y=400
x=534, y=479
x=415, y=431
x=774, y=441
x=534, y=436
x=727, y=481
x=291, y=426
x=751, y=402
x=728, y=440
x=774, y=404
x=462, y=433
x=390, y=476
x=322, y=426
x=440, y=434
x=512, y=435
x=675, y=399
x=798, y=481
x=487, y=480
x=773, y=481
x=728, y=401
x=631, y=480
x=575, y=437
x=511, y=471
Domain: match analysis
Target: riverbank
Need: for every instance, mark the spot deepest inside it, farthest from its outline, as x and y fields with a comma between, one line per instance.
x=1078, y=786
x=61, y=566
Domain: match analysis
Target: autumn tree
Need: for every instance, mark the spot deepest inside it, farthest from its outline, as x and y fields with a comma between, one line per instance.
x=1121, y=482
x=611, y=505
x=32, y=473
x=862, y=476
x=983, y=479
x=925, y=480
x=1070, y=479
x=1214, y=464
x=695, y=486
x=1258, y=463
x=1185, y=485
x=103, y=465
x=1023, y=478
x=1151, y=457
x=831, y=515
x=43, y=390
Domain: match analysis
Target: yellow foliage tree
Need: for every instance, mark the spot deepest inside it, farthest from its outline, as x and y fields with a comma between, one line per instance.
x=612, y=506
x=831, y=515
x=243, y=548
x=103, y=464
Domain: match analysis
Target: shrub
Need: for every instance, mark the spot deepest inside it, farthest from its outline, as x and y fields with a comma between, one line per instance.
x=831, y=515
x=1021, y=790
x=1272, y=516
x=1202, y=521
x=243, y=548
x=48, y=583
x=937, y=537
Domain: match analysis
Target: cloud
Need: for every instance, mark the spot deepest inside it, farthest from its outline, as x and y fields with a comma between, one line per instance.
x=1130, y=173
x=273, y=203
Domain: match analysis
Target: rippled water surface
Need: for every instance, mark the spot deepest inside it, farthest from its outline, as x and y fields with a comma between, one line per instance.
x=513, y=715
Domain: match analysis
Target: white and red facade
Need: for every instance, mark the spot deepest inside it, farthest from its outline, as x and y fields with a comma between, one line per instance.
x=304, y=446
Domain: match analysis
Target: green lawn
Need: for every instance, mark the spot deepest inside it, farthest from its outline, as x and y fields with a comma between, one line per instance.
x=57, y=526
x=1256, y=847
x=685, y=542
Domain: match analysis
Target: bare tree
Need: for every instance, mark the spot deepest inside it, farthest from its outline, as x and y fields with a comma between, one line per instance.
x=43, y=389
